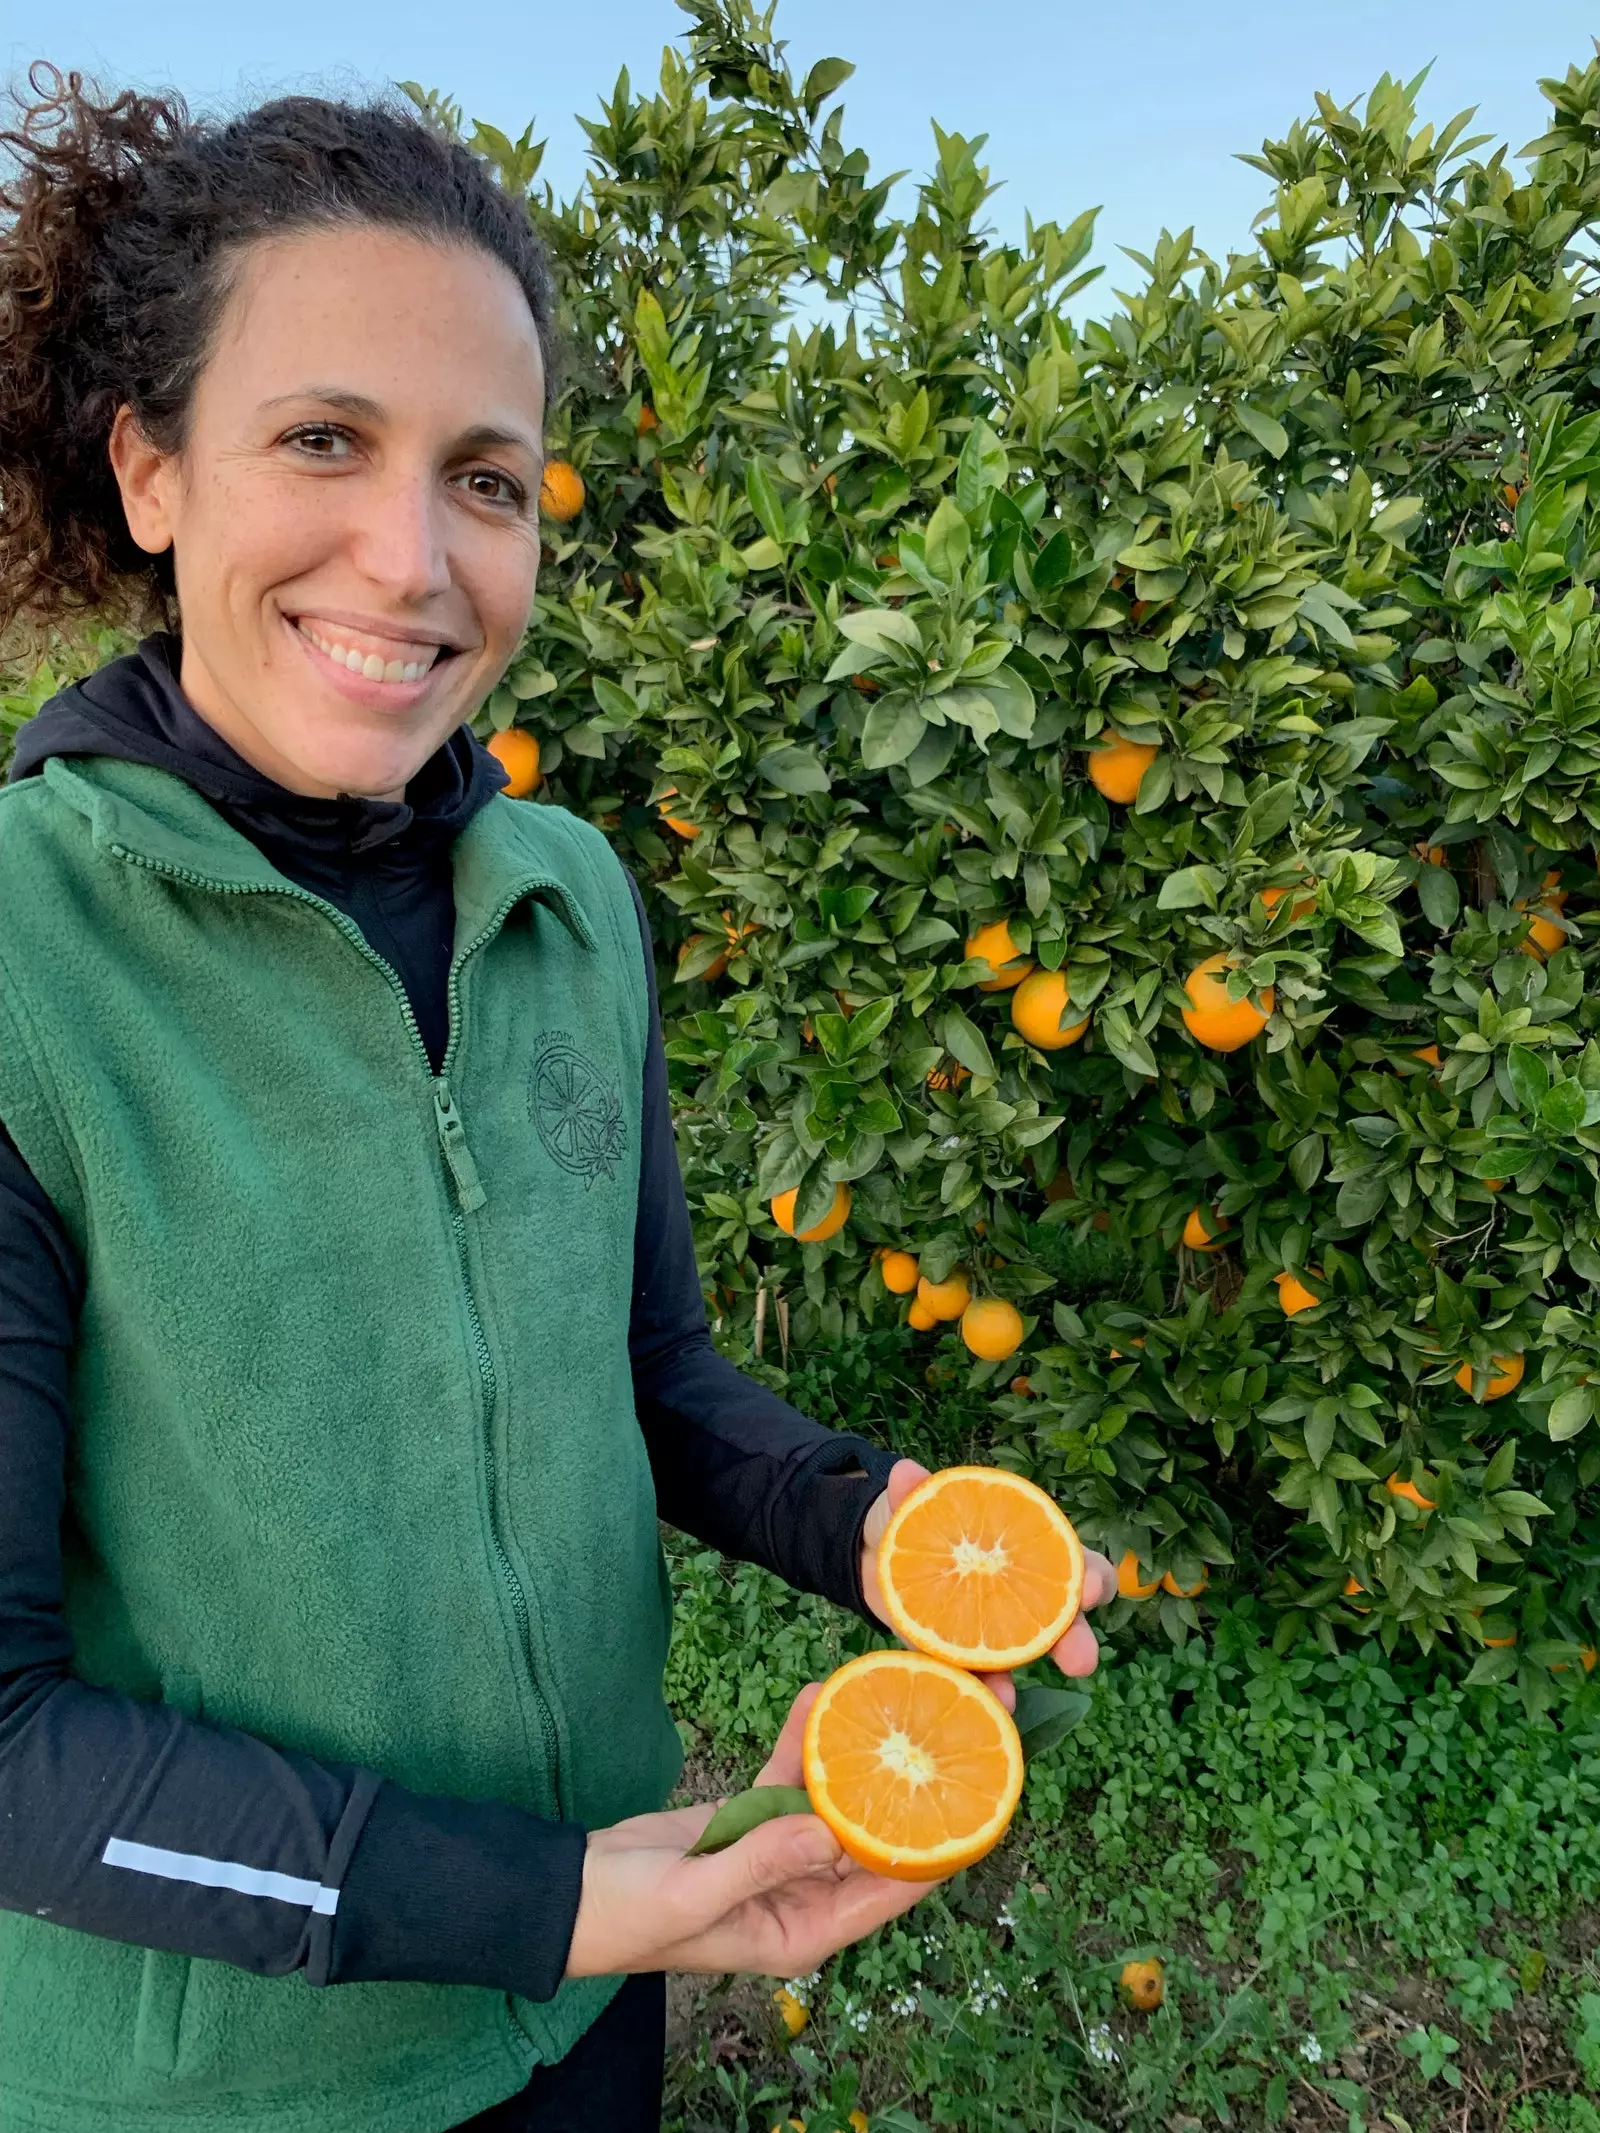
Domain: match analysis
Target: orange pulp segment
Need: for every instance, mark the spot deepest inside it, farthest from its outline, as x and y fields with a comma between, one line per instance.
x=914, y=1765
x=979, y=1567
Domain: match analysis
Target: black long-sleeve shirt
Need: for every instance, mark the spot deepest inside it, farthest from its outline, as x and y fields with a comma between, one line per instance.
x=146, y=1824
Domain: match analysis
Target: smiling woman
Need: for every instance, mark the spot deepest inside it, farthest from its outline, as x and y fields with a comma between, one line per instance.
x=356, y=570
x=351, y=1339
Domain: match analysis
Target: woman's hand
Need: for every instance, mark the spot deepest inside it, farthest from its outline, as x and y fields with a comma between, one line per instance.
x=1078, y=1652
x=779, y=1902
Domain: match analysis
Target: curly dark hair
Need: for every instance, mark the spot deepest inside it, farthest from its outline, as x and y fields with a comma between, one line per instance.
x=122, y=223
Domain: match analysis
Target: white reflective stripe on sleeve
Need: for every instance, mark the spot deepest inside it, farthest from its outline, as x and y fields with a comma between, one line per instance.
x=220, y=1874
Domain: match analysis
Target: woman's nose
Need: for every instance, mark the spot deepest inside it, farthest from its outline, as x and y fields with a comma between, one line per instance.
x=400, y=537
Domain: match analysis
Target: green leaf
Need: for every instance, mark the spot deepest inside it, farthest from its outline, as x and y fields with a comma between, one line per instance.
x=586, y=738
x=1491, y=1667
x=1013, y=701
x=1306, y=1159
x=981, y=468
x=890, y=731
x=1266, y=429
x=1570, y=1413
x=1321, y=1424
x=1053, y=565
x=948, y=542
x=1047, y=1715
x=867, y=1025
x=618, y=706
x=795, y=770
x=824, y=562
x=766, y=502
x=1397, y=514
x=764, y=554
x=1190, y=887
x=973, y=708
x=877, y=628
x=1125, y=1044
x=825, y=77
x=1528, y=1075
x=1360, y=1199
x=746, y=1811
x=1440, y=897
x=650, y=334
x=931, y=756
x=964, y=1040
x=1562, y=1108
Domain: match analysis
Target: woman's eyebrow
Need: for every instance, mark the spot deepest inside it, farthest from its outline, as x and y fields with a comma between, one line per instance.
x=488, y=437
x=348, y=403
x=481, y=437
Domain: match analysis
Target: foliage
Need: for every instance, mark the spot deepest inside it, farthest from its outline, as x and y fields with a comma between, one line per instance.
x=878, y=543
x=1359, y=1877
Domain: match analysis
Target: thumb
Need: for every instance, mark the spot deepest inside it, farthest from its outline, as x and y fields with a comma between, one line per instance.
x=790, y=1848
x=784, y=1765
x=904, y=1476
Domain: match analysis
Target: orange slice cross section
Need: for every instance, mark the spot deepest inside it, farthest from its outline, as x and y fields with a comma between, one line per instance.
x=913, y=1765
x=980, y=1568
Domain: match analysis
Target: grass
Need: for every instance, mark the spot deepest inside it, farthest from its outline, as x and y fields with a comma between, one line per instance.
x=1377, y=1895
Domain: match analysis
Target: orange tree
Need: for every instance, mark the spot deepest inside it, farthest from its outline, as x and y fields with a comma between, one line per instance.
x=1247, y=625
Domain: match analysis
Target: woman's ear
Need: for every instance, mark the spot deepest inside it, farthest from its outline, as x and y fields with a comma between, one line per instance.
x=147, y=479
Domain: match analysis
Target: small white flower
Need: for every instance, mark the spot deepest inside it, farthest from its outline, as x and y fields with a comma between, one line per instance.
x=986, y=1994
x=1311, y=2052
x=905, y=2006
x=1006, y=1918
x=1101, y=2049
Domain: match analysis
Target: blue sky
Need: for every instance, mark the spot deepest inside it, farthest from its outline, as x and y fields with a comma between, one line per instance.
x=1141, y=108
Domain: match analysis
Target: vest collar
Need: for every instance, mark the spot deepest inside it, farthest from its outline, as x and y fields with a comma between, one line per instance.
x=152, y=818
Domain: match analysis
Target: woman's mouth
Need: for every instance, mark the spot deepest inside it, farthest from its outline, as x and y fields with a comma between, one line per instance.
x=368, y=657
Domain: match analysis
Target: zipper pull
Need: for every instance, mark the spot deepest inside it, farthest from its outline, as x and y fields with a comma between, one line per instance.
x=453, y=1140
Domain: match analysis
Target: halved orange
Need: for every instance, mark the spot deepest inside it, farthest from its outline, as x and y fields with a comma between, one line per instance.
x=914, y=1765
x=980, y=1568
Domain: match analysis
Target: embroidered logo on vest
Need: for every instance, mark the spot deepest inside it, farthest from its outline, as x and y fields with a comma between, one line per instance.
x=576, y=1109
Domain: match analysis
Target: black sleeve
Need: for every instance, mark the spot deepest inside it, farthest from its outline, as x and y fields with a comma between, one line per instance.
x=133, y=1821
x=734, y=1465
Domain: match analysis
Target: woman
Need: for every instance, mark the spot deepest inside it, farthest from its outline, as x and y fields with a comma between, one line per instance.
x=350, y=1333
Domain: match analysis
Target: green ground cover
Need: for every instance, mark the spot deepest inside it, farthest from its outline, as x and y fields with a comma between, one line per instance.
x=1376, y=1890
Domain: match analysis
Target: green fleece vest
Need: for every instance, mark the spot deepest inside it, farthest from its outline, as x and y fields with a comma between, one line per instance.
x=354, y=1463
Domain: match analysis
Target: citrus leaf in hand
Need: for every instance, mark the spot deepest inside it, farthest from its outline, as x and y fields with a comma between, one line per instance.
x=1044, y=1716
x=746, y=1811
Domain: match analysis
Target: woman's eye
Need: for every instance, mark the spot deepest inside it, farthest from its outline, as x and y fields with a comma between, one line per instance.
x=319, y=440
x=494, y=487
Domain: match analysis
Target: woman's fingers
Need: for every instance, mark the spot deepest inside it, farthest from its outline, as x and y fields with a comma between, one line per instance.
x=1003, y=1687
x=904, y=1476
x=794, y=1925
x=1099, y=1579
x=857, y=1905
x=1078, y=1652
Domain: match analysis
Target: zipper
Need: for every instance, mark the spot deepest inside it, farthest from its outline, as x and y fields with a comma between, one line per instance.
x=467, y=1196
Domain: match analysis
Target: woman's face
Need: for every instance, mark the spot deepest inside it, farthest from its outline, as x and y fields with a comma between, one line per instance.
x=353, y=517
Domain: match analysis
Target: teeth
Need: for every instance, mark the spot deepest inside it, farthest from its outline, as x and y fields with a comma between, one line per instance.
x=367, y=664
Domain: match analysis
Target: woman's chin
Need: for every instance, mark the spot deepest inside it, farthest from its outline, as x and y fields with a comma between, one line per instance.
x=363, y=773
